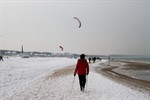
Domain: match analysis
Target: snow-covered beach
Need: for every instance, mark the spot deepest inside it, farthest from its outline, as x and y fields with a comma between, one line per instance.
x=52, y=79
x=16, y=73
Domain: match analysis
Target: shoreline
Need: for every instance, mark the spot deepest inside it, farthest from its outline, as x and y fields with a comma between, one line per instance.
x=132, y=82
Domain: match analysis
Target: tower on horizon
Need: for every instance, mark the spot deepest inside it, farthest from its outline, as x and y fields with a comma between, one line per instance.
x=22, y=49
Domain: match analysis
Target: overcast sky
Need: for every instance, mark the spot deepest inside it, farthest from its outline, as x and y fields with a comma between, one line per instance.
x=108, y=26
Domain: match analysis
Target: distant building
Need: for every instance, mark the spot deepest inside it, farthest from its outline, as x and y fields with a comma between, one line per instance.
x=23, y=55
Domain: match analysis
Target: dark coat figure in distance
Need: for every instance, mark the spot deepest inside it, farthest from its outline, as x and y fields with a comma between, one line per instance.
x=1, y=58
x=108, y=61
x=94, y=59
x=82, y=68
x=89, y=59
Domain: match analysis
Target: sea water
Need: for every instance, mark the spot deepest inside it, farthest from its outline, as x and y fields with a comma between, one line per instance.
x=134, y=73
x=136, y=58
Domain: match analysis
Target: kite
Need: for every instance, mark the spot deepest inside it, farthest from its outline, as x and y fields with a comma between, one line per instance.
x=61, y=48
x=78, y=21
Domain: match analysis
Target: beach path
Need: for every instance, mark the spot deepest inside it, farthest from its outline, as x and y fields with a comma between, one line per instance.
x=59, y=86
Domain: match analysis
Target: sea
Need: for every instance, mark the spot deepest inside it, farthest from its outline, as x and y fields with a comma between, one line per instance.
x=138, y=74
x=136, y=58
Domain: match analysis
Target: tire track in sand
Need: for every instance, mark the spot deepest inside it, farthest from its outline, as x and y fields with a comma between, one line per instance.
x=61, y=72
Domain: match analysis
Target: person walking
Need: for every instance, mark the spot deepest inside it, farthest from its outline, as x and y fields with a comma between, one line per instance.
x=82, y=69
x=1, y=58
x=89, y=59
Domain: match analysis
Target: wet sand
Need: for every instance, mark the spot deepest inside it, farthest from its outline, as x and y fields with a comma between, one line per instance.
x=113, y=75
x=123, y=78
x=109, y=71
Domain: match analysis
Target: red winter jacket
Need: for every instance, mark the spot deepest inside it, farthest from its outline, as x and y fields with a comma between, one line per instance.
x=82, y=67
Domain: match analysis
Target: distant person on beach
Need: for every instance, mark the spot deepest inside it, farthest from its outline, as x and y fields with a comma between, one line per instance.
x=94, y=59
x=82, y=68
x=108, y=61
x=89, y=59
x=1, y=58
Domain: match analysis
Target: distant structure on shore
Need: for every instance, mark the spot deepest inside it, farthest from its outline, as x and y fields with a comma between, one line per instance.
x=22, y=49
x=23, y=55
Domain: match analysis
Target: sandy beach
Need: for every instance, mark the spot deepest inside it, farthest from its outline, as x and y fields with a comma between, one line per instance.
x=117, y=71
x=25, y=79
x=109, y=71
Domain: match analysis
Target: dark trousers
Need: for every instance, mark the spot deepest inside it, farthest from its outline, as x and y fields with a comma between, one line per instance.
x=82, y=81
